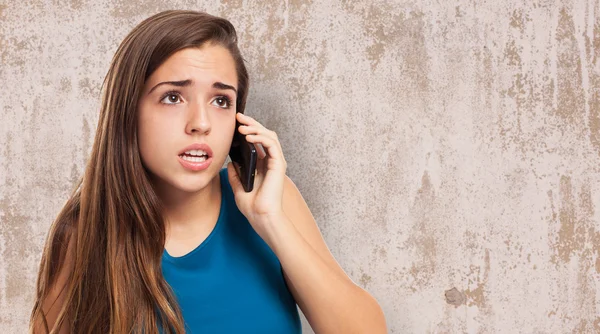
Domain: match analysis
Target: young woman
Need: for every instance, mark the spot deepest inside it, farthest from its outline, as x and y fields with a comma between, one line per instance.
x=158, y=237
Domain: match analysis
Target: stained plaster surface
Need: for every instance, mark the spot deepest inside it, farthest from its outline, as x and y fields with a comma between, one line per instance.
x=449, y=150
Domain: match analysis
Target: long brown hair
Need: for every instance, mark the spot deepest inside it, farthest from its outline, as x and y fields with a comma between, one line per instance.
x=113, y=221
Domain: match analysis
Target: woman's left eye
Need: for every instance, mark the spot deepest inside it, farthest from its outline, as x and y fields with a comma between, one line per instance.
x=222, y=102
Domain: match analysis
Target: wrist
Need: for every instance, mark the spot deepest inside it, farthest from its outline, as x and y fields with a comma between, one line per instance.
x=276, y=227
x=273, y=217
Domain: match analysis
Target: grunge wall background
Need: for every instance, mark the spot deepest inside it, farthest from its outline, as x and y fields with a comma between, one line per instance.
x=440, y=145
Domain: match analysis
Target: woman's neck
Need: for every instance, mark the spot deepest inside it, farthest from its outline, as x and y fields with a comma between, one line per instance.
x=185, y=211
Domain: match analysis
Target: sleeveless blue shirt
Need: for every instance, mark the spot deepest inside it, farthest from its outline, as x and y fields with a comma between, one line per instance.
x=232, y=282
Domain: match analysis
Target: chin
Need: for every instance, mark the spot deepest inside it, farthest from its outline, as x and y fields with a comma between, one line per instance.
x=195, y=182
x=186, y=182
x=191, y=184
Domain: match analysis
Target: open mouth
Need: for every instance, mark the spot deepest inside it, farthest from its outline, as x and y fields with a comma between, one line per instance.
x=194, y=156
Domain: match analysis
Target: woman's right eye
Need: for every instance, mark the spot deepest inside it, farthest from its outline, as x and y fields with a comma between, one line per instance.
x=171, y=98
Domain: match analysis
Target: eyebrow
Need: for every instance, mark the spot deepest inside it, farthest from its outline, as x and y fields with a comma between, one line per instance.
x=189, y=82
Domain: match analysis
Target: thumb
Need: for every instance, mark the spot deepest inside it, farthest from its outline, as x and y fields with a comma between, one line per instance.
x=234, y=179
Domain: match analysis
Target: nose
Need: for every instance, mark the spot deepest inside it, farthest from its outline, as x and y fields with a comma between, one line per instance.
x=199, y=120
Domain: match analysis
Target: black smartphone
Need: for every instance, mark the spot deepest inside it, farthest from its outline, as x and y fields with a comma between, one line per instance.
x=243, y=155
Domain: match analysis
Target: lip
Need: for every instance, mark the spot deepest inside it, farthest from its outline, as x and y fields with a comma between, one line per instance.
x=198, y=146
x=196, y=166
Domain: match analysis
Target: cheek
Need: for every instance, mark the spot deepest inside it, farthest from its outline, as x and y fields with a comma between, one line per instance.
x=152, y=137
x=226, y=129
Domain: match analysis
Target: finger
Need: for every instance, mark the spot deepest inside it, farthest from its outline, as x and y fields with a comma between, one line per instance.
x=259, y=130
x=255, y=130
x=250, y=126
x=272, y=147
x=260, y=151
x=249, y=121
x=252, y=129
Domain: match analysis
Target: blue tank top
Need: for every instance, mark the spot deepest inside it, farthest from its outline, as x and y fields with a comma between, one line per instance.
x=232, y=282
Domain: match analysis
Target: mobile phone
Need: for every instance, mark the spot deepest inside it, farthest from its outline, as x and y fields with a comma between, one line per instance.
x=243, y=155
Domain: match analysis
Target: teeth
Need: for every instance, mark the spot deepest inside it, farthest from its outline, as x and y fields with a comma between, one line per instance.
x=193, y=159
x=196, y=152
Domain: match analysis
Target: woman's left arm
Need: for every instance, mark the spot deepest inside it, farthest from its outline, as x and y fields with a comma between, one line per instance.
x=331, y=302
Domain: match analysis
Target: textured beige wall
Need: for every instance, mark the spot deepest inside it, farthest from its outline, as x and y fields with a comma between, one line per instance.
x=439, y=144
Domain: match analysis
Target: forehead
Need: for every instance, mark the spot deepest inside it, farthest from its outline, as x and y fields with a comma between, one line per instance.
x=204, y=65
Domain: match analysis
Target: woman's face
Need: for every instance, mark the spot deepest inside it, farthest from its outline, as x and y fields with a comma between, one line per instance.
x=186, y=117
